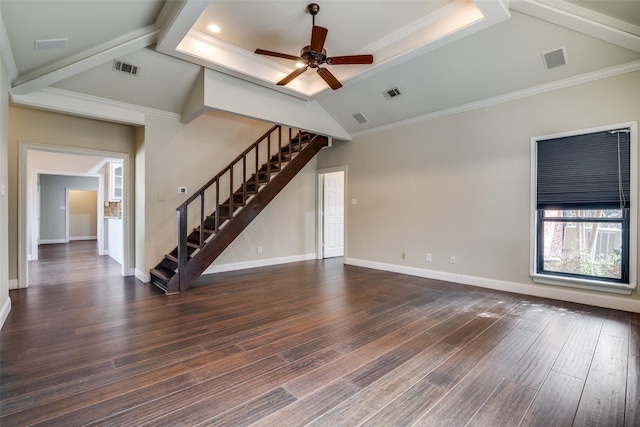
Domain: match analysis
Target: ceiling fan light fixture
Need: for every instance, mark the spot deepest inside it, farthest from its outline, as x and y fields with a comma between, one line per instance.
x=300, y=65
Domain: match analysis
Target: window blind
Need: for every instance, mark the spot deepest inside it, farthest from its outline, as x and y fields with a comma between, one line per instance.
x=589, y=171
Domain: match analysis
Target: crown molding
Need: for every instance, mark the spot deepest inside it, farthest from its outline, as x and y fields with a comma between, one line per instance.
x=536, y=90
x=581, y=24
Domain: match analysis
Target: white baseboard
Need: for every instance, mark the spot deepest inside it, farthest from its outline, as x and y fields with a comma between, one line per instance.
x=143, y=277
x=83, y=238
x=594, y=298
x=52, y=241
x=220, y=268
x=13, y=284
x=258, y=263
x=4, y=312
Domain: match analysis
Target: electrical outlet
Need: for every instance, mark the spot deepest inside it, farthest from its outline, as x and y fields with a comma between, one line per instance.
x=453, y=259
x=160, y=197
x=429, y=258
x=404, y=255
x=259, y=249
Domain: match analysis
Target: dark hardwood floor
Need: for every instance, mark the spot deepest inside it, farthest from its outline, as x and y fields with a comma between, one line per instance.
x=311, y=343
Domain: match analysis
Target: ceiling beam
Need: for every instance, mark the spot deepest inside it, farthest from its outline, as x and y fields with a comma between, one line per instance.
x=6, y=52
x=86, y=60
x=577, y=23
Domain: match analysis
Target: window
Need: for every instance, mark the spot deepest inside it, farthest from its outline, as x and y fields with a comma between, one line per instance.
x=584, y=227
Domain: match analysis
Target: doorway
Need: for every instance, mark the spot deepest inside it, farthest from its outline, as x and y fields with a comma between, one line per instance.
x=331, y=233
x=36, y=159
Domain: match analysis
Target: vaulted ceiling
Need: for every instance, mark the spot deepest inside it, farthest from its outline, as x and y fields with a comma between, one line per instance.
x=442, y=56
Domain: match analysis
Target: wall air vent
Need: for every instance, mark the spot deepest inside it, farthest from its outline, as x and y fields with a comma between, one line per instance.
x=391, y=93
x=126, y=68
x=554, y=58
x=50, y=44
x=360, y=118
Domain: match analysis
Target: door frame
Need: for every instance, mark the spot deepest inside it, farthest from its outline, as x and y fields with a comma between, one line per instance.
x=320, y=209
x=25, y=183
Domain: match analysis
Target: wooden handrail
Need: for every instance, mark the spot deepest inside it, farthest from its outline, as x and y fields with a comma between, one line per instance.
x=223, y=171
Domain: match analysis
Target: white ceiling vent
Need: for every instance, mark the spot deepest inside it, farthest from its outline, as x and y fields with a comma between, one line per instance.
x=126, y=68
x=360, y=118
x=554, y=58
x=50, y=44
x=391, y=93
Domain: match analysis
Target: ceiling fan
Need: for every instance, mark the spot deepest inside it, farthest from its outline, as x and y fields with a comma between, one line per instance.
x=314, y=55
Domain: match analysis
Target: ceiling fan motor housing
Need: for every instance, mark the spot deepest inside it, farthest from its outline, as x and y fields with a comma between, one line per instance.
x=311, y=58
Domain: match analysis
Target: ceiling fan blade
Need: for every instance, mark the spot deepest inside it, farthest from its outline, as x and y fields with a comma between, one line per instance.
x=291, y=76
x=329, y=78
x=318, y=36
x=353, y=59
x=277, y=55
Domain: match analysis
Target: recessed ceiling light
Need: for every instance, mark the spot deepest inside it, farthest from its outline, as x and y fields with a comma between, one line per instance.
x=213, y=28
x=300, y=64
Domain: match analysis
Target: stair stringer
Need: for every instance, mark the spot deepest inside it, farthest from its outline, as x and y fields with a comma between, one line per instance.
x=198, y=263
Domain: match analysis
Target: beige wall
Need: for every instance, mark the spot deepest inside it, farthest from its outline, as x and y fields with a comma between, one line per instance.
x=188, y=155
x=83, y=214
x=36, y=126
x=4, y=209
x=460, y=185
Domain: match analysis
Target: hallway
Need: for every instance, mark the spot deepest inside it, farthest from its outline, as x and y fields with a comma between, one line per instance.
x=70, y=264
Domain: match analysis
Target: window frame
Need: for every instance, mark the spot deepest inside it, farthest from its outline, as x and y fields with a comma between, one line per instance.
x=629, y=224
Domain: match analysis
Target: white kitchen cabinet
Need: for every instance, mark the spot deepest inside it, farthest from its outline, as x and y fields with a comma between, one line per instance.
x=115, y=182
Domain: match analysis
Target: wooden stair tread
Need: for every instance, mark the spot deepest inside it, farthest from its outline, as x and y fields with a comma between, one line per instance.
x=162, y=273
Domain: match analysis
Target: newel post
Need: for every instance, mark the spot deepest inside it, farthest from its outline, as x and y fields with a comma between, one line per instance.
x=183, y=254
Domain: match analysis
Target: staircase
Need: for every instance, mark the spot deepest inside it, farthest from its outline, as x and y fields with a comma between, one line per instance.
x=262, y=171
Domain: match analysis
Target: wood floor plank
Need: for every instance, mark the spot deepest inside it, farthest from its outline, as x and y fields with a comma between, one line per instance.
x=469, y=394
x=505, y=407
x=534, y=366
x=617, y=324
x=370, y=400
x=425, y=392
x=154, y=409
x=632, y=405
x=82, y=408
x=313, y=343
x=200, y=411
x=253, y=410
x=603, y=399
x=556, y=402
x=577, y=353
x=304, y=411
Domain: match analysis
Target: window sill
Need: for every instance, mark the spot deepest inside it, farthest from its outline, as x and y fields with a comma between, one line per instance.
x=592, y=285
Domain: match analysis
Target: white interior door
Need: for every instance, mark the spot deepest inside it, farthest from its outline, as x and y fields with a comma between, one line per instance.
x=333, y=218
